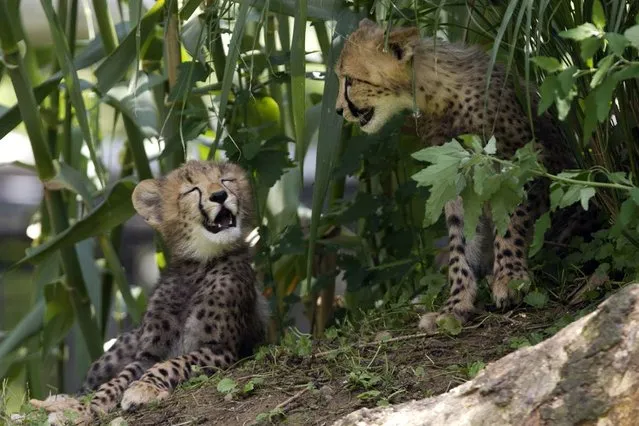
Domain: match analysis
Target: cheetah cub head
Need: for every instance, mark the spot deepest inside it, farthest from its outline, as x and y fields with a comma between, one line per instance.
x=201, y=209
x=375, y=82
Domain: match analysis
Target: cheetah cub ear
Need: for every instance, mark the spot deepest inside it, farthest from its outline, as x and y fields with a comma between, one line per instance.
x=401, y=43
x=147, y=201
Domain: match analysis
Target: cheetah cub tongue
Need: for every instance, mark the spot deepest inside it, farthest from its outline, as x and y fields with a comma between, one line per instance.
x=223, y=220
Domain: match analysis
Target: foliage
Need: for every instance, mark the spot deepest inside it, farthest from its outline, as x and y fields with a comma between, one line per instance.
x=223, y=79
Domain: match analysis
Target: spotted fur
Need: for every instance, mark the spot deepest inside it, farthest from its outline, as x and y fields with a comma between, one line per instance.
x=206, y=312
x=381, y=75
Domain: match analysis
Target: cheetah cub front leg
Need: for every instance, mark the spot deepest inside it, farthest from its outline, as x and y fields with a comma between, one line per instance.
x=461, y=277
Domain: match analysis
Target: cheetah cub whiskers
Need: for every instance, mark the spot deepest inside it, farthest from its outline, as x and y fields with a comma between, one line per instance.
x=206, y=311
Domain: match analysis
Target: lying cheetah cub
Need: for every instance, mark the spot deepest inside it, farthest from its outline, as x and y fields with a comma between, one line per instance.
x=381, y=75
x=206, y=311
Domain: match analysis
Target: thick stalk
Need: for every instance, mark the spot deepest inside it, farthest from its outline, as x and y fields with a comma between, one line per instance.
x=44, y=163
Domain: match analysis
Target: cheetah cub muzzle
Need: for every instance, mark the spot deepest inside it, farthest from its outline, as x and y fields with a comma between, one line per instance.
x=206, y=311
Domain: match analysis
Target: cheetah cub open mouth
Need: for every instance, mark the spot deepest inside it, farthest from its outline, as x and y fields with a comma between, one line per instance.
x=224, y=219
x=365, y=116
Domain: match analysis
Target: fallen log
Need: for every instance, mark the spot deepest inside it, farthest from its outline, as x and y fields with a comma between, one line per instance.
x=588, y=373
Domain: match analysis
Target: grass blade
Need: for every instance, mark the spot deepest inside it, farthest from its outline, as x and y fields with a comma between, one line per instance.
x=298, y=81
x=229, y=70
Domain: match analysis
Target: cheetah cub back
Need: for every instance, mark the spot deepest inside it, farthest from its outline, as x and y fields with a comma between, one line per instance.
x=206, y=311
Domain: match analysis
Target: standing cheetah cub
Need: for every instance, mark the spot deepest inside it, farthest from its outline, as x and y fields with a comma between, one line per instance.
x=206, y=312
x=447, y=83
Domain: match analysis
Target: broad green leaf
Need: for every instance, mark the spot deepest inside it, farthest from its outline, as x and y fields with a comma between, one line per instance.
x=598, y=15
x=547, y=91
x=188, y=74
x=627, y=212
x=475, y=368
x=442, y=176
x=449, y=325
x=226, y=385
x=590, y=118
x=581, y=32
x=603, y=98
x=71, y=179
x=491, y=146
x=536, y=299
x=547, y=63
x=541, y=226
x=634, y=195
x=504, y=202
x=602, y=69
x=65, y=60
x=138, y=103
x=617, y=43
x=588, y=48
x=58, y=315
x=115, y=66
x=630, y=71
x=585, y=194
x=632, y=34
x=114, y=210
x=89, y=55
x=31, y=324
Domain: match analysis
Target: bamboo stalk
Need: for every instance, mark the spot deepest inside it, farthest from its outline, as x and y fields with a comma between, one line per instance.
x=44, y=165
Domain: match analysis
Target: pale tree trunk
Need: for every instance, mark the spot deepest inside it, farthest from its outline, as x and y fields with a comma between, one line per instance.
x=587, y=374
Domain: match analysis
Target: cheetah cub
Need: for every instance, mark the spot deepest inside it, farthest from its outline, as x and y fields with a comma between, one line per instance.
x=448, y=84
x=206, y=311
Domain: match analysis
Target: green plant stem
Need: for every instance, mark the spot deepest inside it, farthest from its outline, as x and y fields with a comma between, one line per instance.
x=543, y=173
x=105, y=25
x=44, y=164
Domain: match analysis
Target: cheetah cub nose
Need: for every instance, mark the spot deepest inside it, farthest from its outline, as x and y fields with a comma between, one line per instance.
x=340, y=111
x=219, y=197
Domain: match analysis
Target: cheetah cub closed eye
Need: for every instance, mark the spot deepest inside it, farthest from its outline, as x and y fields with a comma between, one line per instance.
x=206, y=311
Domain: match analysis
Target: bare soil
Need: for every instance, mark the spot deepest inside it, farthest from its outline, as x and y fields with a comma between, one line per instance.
x=359, y=367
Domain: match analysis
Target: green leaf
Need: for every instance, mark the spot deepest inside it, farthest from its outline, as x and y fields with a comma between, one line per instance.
x=536, y=299
x=585, y=194
x=547, y=91
x=627, y=212
x=298, y=80
x=449, y=324
x=58, y=316
x=632, y=34
x=504, y=202
x=602, y=69
x=31, y=324
x=226, y=386
x=329, y=136
x=617, y=43
x=229, y=71
x=475, y=368
x=115, y=66
x=588, y=48
x=442, y=176
x=491, y=146
x=581, y=32
x=547, y=63
x=114, y=210
x=138, y=103
x=603, y=98
x=69, y=178
x=541, y=226
x=473, y=209
x=598, y=15
x=72, y=82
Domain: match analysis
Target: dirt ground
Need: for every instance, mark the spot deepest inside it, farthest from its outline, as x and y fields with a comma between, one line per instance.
x=304, y=383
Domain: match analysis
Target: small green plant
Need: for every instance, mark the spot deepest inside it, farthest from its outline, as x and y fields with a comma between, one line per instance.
x=276, y=414
x=360, y=378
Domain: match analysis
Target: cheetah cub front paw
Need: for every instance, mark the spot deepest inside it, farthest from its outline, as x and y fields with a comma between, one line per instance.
x=141, y=393
x=64, y=409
